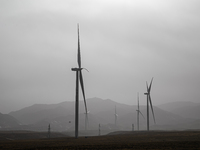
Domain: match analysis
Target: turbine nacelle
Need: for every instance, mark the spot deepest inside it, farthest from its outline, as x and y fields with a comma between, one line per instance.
x=146, y=93
x=77, y=69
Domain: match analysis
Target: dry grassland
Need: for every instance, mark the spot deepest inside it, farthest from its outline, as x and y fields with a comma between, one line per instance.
x=153, y=140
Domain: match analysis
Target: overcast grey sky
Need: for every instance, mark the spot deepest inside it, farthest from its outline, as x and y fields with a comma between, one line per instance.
x=124, y=43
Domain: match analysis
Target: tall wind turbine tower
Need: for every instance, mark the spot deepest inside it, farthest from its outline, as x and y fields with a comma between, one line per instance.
x=138, y=112
x=116, y=115
x=149, y=101
x=79, y=77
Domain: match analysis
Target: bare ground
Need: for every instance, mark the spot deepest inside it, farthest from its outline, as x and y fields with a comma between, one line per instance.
x=153, y=140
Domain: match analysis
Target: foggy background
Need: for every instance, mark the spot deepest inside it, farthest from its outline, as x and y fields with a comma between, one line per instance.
x=123, y=45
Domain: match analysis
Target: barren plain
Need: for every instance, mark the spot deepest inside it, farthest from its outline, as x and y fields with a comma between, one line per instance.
x=153, y=140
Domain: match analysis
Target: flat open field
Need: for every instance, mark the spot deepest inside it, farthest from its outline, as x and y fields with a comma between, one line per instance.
x=153, y=140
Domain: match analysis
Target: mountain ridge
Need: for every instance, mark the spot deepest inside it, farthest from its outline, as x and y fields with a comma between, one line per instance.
x=102, y=112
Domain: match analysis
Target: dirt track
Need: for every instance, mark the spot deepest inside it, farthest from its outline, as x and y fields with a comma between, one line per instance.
x=121, y=140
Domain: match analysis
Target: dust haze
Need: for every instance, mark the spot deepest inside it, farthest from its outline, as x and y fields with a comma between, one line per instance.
x=123, y=45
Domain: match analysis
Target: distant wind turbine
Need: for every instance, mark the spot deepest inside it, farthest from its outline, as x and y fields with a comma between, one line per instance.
x=132, y=127
x=86, y=120
x=99, y=129
x=79, y=77
x=138, y=112
x=49, y=131
x=149, y=101
x=116, y=115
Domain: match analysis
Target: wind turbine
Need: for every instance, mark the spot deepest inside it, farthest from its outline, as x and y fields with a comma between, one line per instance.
x=79, y=77
x=86, y=120
x=149, y=101
x=132, y=127
x=116, y=115
x=99, y=129
x=138, y=112
x=49, y=131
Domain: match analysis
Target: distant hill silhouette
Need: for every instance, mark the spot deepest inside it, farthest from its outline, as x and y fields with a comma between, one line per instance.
x=61, y=116
x=8, y=121
x=184, y=109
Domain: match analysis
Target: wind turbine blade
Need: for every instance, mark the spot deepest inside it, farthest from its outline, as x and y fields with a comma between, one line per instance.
x=79, y=53
x=85, y=69
x=152, y=109
x=141, y=114
x=147, y=86
x=150, y=85
x=83, y=91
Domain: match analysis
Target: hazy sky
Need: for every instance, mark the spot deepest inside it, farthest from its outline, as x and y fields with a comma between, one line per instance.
x=124, y=43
